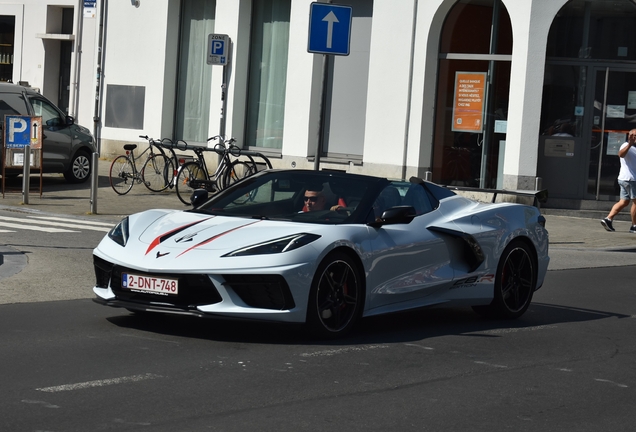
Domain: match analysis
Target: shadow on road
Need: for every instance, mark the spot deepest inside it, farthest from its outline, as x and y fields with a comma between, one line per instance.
x=51, y=183
x=395, y=328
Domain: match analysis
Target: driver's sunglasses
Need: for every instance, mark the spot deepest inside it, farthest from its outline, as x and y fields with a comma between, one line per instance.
x=312, y=199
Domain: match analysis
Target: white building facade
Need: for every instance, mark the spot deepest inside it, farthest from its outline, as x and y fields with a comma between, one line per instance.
x=484, y=93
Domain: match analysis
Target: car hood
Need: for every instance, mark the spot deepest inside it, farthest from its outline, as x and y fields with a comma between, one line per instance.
x=189, y=231
x=167, y=241
x=185, y=232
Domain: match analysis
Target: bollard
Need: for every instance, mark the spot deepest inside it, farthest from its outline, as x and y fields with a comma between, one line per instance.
x=26, y=174
x=428, y=175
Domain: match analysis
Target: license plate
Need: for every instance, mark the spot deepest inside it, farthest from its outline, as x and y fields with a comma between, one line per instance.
x=162, y=286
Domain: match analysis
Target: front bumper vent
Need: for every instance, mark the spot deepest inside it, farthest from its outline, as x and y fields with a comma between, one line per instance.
x=261, y=291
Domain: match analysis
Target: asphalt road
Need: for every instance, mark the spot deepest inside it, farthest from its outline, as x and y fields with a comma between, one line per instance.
x=69, y=364
x=567, y=364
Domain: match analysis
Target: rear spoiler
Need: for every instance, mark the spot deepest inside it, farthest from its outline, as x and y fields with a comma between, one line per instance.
x=538, y=196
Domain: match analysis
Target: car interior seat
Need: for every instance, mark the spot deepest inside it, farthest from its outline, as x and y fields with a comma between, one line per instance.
x=389, y=197
x=417, y=198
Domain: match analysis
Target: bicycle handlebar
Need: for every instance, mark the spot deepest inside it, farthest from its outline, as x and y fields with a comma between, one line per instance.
x=222, y=147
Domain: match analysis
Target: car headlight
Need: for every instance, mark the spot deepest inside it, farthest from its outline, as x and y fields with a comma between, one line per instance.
x=119, y=233
x=284, y=244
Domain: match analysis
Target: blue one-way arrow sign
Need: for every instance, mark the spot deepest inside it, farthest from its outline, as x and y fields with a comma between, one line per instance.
x=329, y=29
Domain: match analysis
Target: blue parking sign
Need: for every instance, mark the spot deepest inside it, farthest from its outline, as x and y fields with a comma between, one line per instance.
x=17, y=131
x=218, y=47
x=329, y=29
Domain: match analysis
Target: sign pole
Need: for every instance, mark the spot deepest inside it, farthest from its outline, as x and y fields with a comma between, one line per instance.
x=329, y=34
x=223, y=103
x=97, y=122
x=219, y=49
x=26, y=174
x=323, y=112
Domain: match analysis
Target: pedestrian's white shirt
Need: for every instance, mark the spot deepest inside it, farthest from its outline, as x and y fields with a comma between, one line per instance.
x=628, y=165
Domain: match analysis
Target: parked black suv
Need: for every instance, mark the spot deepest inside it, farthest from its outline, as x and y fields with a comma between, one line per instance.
x=67, y=147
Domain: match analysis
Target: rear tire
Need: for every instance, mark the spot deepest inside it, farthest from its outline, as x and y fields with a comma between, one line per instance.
x=515, y=282
x=121, y=175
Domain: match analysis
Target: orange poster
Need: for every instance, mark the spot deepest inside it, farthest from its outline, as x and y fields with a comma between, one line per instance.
x=468, y=104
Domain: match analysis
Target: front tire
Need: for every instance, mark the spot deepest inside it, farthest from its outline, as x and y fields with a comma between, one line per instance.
x=336, y=297
x=80, y=168
x=515, y=282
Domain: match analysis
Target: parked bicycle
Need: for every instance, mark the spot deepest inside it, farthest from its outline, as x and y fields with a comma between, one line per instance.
x=156, y=173
x=169, y=146
x=195, y=175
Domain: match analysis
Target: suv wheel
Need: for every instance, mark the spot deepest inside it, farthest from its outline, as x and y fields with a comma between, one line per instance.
x=80, y=168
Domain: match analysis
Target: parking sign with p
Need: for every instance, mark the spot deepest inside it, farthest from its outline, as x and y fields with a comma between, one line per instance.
x=21, y=131
x=218, y=49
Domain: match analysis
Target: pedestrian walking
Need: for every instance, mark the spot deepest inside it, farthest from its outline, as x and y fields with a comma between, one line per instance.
x=626, y=182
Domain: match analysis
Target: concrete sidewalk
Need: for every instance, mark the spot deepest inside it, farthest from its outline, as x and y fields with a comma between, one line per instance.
x=60, y=197
x=580, y=236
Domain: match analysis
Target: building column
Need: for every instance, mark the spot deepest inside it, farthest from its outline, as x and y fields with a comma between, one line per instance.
x=531, y=22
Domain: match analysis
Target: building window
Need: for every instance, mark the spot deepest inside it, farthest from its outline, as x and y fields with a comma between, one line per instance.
x=267, y=73
x=7, y=26
x=594, y=30
x=195, y=75
x=472, y=95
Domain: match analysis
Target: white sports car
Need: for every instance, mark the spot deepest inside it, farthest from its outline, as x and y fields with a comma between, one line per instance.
x=324, y=248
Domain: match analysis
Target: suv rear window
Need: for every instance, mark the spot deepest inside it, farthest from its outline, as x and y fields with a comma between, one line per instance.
x=12, y=104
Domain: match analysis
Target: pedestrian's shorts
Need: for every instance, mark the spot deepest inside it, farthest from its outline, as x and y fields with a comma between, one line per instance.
x=628, y=189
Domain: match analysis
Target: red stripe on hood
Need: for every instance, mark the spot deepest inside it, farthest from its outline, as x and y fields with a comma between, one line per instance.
x=215, y=237
x=165, y=236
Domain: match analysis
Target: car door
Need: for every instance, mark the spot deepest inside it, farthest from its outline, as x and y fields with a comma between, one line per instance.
x=408, y=262
x=56, y=137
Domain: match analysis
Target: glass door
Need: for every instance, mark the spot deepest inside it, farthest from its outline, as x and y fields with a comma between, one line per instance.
x=613, y=116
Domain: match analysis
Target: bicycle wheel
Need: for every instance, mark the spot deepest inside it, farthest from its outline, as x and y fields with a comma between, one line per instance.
x=121, y=175
x=238, y=170
x=157, y=172
x=188, y=172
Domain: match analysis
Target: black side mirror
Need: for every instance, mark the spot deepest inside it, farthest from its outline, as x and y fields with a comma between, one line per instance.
x=198, y=197
x=69, y=120
x=395, y=215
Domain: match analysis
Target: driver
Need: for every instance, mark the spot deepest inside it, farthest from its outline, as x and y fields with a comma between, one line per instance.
x=316, y=200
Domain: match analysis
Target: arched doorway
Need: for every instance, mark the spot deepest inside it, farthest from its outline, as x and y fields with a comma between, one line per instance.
x=472, y=94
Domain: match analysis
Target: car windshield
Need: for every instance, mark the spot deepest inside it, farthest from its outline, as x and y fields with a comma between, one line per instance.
x=299, y=196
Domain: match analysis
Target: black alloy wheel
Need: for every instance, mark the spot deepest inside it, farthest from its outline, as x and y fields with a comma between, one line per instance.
x=515, y=282
x=336, y=297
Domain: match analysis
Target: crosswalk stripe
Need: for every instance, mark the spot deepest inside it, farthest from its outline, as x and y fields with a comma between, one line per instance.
x=76, y=226
x=6, y=230
x=34, y=227
x=83, y=222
